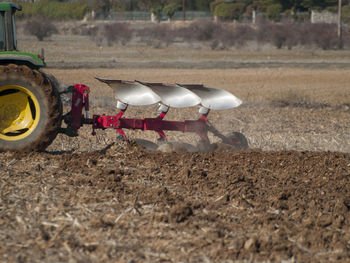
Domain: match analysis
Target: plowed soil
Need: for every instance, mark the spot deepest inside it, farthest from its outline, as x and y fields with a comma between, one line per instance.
x=126, y=204
x=95, y=199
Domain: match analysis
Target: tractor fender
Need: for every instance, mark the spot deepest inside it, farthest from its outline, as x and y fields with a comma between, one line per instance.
x=21, y=58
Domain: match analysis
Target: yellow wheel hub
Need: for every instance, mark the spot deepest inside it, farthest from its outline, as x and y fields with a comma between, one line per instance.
x=19, y=112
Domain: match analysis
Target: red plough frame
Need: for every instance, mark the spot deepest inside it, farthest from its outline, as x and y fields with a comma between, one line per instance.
x=80, y=99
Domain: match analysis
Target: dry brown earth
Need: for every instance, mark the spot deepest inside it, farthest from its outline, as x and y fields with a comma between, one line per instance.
x=123, y=204
x=287, y=199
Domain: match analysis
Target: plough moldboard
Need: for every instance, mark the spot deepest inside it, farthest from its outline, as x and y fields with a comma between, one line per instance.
x=137, y=93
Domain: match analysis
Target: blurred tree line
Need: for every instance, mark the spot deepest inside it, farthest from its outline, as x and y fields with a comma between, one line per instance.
x=273, y=9
x=223, y=9
x=58, y=10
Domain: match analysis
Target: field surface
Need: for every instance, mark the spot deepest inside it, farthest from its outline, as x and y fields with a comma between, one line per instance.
x=96, y=199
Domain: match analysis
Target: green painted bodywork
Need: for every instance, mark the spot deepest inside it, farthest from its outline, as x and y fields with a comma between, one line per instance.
x=4, y=6
x=22, y=58
x=15, y=56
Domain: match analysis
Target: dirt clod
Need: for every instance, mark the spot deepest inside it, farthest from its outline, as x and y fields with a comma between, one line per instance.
x=180, y=213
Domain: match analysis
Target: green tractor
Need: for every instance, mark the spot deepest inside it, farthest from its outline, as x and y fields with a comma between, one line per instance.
x=30, y=105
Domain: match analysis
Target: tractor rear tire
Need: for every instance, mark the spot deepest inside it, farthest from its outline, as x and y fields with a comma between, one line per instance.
x=30, y=109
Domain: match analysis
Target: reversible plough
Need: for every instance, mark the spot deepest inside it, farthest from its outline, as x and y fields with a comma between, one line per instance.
x=137, y=93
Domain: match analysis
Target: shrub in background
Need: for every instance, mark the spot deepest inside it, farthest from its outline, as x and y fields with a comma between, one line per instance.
x=274, y=34
x=199, y=31
x=233, y=36
x=229, y=11
x=273, y=12
x=157, y=11
x=170, y=9
x=117, y=32
x=324, y=35
x=40, y=28
x=295, y=35
x=111, y=33
x=203, y=5
x=157, y=34
x=243, y=33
